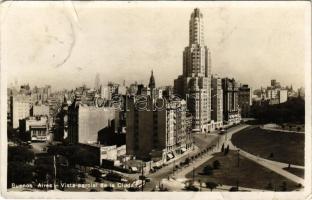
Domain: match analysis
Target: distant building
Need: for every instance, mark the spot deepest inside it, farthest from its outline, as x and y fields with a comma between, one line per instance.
x=35, y=128
x=301, y=92
x=277, y=94
x=244, y=100
x=41, y=94
x=38, y=110
x=167, y=92
x=86, y=122
x=275, y=84
x=112, y=89
x=231, y=112
x=104, y=92
x=20, y=107
x=140, y=89
x=217, y=101
x=282, y=95
x=133, y=89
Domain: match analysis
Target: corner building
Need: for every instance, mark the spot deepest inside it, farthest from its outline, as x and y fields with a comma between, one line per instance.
x=194, y=84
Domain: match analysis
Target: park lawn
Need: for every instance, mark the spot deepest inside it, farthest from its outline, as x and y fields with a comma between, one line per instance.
x=295, y=171
x=285, y=147
x=249, y=173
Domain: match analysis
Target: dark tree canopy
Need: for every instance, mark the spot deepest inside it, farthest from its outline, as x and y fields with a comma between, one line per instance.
x=21, y=154
x=291, y=111
x=211, y=185
x=19, y=173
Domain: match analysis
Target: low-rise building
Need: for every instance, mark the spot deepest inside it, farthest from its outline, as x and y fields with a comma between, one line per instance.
x=35, y=128
x=106, y=154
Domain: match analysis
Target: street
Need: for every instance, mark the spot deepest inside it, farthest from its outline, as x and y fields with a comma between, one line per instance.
x=212, y=141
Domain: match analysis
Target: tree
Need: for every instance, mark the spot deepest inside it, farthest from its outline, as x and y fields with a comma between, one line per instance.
x=269, y=186
x=211, y=185
x=95, y=173
x=187, y=161
x=226, y=151
x=208, y=170
x=44, y=168
x=283, y=126
x=19, y=153
x=284, y=186
x=19, y=173
x=67, y=175
x=216, y=164
x=222, y=148
x=108, y=189
x=292, y=111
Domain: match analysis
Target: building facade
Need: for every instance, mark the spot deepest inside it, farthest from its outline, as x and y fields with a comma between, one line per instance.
x=276, y=94
x=217, y=101
x=231, y=110
x=20, y=108
x=244, y=100
x=157, y=129
x=38, y=110
x=35, y=128
x=86, y=122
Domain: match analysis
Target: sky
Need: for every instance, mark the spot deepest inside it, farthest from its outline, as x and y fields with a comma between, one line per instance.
x=65, y=44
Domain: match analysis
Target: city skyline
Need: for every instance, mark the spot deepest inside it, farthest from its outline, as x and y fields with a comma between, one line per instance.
x=108, y=126
x=69, y=44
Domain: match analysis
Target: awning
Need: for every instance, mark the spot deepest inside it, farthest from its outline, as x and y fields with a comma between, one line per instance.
x=183, y=149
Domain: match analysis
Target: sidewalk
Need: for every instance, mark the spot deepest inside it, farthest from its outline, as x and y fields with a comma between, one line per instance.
x=179, y=184
x=280, y=130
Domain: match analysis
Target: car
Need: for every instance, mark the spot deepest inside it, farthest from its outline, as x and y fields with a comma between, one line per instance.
x=115, y=177
x=192, y=188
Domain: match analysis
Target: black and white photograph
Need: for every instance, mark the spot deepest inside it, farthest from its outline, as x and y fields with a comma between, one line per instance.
x=208, y=98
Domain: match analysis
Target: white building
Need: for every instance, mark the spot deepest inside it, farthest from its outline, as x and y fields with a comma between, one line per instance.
x=283, y=94
x=35, y=127
x=38, y=110
x=20, y=108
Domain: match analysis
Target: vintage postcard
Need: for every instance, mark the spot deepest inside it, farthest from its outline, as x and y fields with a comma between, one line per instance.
x=156, y=100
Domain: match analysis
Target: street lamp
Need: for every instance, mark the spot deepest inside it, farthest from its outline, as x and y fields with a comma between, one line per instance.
x=193, y=143
x=193, y=175
x=238, y=158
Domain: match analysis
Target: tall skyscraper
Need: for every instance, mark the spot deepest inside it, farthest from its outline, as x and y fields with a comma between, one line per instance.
x=194, y=84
